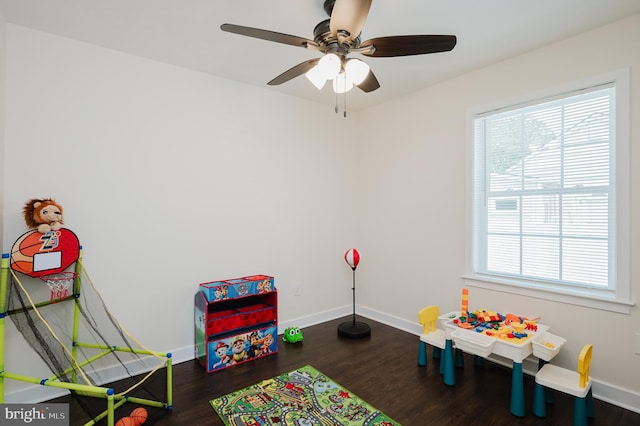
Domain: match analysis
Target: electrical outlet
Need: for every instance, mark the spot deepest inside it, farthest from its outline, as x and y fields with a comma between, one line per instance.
x=638, y=343
x=297, y=291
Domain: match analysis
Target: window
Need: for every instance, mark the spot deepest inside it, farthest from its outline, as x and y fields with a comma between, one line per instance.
x=550, y=196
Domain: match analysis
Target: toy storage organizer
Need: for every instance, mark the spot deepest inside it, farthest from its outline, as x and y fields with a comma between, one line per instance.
x=236, y=321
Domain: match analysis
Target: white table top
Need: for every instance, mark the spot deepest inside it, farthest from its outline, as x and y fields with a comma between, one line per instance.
x=516, y=350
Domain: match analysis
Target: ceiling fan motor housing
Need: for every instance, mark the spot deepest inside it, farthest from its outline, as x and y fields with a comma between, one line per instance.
x=328, y=6
x=323, y=36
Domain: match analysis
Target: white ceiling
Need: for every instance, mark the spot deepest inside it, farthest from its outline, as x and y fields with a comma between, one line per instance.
x=187, y=33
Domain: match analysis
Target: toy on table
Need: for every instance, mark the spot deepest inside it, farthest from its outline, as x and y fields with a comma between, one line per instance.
x=497, y=325
x=509, y=326
x=292, y=335
x=465, y=303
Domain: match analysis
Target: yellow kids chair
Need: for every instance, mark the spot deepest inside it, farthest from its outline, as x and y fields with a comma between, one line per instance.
x=432, y=335
x=576, y=383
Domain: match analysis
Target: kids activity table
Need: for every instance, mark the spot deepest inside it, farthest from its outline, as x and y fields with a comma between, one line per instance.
x=479, y=344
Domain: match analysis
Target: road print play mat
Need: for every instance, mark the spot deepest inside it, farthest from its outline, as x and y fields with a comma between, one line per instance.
x=303, y=397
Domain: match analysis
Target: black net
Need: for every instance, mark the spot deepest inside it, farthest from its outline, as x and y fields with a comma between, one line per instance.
x=81, y=342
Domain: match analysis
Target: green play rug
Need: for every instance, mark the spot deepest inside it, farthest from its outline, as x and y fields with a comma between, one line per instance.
x=303, y=397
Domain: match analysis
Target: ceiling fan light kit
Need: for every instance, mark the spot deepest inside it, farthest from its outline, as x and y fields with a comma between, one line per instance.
x=328, y=68
x=356, y=70
x=316, y=77
x=344, y=77
x=339, y=36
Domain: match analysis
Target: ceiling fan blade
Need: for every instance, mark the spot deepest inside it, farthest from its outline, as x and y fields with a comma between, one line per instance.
x=406, y=45
x=369, y=84
x=294, y=72
x=269, y=36
x=349, y=16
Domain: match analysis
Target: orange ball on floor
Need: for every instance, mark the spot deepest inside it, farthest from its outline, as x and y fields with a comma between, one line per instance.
x=139, y=416
x=126, y=421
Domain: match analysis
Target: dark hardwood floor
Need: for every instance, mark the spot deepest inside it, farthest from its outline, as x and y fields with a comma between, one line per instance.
x=382, y=370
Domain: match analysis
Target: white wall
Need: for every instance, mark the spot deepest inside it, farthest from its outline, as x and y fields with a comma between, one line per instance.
x=411, y=164
x=241, y=180
x=2, y=117
x=171, y=178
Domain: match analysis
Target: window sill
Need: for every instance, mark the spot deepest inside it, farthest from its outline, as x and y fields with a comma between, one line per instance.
x=574, y=298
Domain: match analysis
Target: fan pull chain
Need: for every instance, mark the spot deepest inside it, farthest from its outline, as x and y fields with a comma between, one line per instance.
x=344, y=113
x=337, y=109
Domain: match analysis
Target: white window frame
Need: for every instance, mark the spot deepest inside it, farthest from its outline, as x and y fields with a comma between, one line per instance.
x=618, y=300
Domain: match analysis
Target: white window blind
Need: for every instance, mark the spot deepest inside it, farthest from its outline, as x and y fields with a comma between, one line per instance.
x=544, y=192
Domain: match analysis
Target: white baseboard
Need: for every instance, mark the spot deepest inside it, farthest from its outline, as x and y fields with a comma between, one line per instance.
x=615, y=395
x=33, y=394
x=391, y=320
x=317, y=318
x=603, y=391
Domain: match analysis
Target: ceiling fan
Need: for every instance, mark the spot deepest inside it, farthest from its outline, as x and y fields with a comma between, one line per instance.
x=339, y=36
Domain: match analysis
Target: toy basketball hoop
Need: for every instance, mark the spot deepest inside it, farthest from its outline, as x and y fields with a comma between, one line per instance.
x=59, y=284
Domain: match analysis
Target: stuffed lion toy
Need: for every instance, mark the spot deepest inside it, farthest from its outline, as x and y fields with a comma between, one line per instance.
x=43, y=214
